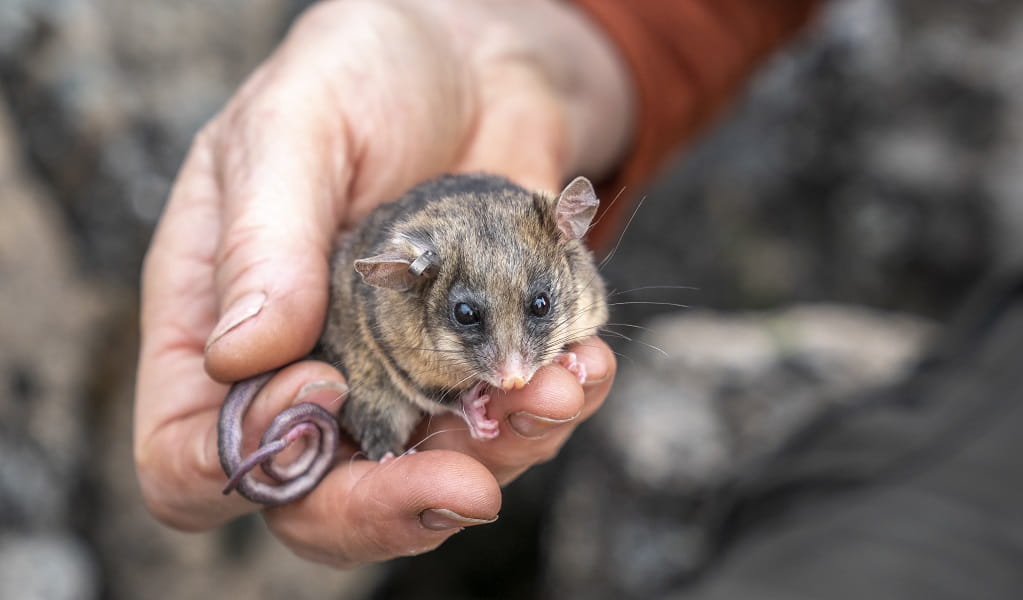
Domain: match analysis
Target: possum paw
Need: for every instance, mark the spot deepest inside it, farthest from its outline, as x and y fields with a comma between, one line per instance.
x=571, y=362
x=474, y=411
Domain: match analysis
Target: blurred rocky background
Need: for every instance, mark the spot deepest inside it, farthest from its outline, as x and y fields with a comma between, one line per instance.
x=834, y=415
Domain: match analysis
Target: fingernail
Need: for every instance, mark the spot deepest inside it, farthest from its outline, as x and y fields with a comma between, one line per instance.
x=533, y=427
x=314, y=386
x=442, y=519
x=242, y=310
x=337, y=389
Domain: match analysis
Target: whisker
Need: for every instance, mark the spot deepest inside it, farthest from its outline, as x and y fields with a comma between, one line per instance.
x=617, y=334
x=607, y=210
x=570, y=336
x=628, y=325
x=652, y=287
x=631, y=360
x=640, y=342
x=651, y=302
x=621, y=237
x=433, y=434
x=562, y=338
x=652, y=347
x=413, y=448
x=454, y=387
x=439, y=350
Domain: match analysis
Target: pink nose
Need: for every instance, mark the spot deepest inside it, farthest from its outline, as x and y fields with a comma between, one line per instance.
x=514, y=382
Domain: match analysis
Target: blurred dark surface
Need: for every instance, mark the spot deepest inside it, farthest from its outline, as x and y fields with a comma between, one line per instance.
x=835, y=417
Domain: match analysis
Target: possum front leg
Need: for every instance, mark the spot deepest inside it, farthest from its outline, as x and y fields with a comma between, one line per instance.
x=474, y=411
x=376, y=413
x=382, y=426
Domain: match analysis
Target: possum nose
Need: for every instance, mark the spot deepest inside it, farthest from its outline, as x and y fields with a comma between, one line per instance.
x=514, y=382
x=513, y=374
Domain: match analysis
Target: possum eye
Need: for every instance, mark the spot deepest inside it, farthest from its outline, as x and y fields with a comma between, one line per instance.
x=466, y=314
x=540, y=305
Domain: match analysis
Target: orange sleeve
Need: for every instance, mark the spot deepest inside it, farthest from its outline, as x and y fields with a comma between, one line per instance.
x=687, y=58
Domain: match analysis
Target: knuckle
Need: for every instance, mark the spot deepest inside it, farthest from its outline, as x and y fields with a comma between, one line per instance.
x=240, y=240
x=248, y=249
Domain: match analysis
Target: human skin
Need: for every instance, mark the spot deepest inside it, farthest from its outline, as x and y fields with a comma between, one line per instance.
x=359, y=102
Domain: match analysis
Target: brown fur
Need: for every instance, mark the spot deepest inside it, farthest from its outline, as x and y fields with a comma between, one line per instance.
x=497, y=246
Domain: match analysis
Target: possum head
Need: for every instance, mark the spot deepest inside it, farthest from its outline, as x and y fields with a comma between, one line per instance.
x=500, y=282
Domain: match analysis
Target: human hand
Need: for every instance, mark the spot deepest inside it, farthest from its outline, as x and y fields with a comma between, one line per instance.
x=362, y=100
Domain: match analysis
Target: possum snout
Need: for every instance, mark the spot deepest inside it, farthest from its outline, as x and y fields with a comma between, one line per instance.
x=514, y=374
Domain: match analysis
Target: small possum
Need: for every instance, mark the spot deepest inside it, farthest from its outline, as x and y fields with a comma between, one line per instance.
x=464, y=284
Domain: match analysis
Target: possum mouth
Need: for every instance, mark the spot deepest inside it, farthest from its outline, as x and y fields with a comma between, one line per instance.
x=474, y=411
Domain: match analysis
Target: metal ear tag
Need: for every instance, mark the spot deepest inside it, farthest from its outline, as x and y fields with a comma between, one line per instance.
x=426, y=263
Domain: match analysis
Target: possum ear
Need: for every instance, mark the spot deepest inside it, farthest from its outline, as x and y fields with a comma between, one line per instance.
x=575, y=208
x=398, y=272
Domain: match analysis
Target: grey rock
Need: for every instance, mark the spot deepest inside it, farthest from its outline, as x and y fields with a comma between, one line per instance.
x=720, y=400
x=108, y=94
x=51, y=323
x=914, y=494
x=729, y=388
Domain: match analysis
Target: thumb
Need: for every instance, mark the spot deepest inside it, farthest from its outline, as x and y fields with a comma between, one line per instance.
x=272, y=262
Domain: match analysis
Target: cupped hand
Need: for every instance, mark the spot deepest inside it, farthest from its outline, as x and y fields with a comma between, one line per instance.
x=362, y=100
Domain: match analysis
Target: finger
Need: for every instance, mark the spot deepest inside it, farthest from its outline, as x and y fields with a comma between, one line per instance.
x=281, y=171
x=601, y=366
x=553, y=393
x=369, y=511
x=177, y=311
x=536, y=420
x=181, y=476
x=177, y=300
